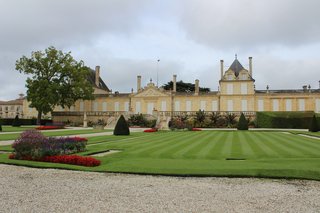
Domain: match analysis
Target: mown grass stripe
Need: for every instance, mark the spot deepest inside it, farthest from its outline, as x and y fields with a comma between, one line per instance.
x=260, y=145
x=209, y=151
x=247, y=150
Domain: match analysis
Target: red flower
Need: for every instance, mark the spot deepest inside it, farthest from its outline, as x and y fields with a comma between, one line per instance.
x=150, y=130
x=196, y=129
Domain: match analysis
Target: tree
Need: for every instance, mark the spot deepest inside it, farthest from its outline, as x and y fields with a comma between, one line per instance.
x=200, y=117
x=16, y=122
x=243, y=123
x=121, y=127
x=54, y=78
x=314, y=125
x=184, y=87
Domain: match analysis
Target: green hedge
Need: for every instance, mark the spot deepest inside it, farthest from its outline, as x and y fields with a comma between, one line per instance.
x=9, y=121
x=291, y=120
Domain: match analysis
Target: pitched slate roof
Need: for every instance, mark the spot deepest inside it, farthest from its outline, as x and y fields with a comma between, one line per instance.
x=236, y=67
x=92, y=80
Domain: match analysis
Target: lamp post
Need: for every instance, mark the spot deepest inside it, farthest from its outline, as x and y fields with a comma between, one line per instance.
x=158, y=72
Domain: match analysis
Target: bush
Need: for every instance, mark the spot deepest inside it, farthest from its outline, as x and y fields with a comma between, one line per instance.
x=16, y=122
x=33, y=145
x=314, y=125
x=0, y=125
x=33, y=121
x=121, y=127
x=243, y=123
x=150, y=130
x=292, y=120
x=72, y=159
x=49, y=127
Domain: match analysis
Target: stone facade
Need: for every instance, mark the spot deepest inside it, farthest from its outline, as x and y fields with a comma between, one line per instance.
x=236, y=94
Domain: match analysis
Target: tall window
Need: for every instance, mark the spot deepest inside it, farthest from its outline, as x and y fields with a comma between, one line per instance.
x=230, y=105
x=230, y=77
x=188, y=106
x=163, y=106
x=214, y=105
x=95, y=106
x=177, y=106
x=116, y=106
x=104, y=106
x=244, y=88
x=244, y=105
x=203, y=105
x=288, y=105
x=229, y=89
x=81, y=106
x=275, y=105
x=260, y=105
x=138, y=107
x=317, y=105
x=126, y=106
x=301, y=105
x=243, y=76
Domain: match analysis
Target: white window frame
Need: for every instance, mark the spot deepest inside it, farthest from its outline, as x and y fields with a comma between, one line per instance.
x=203, y=105
x=244, y=88
x=288, y=105
x=116, y=106
x=230, y=105
x=301, y=105
x=188, y=106
x=214, y=106
x=260, y=105
x=230, y=89
x=244, y=105
x=138, y=107
x=275, y=105
x=126, y=106
x=177, y=106
x=104, y=106
x=163, y=106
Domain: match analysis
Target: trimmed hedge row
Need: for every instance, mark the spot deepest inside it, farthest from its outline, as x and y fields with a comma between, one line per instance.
x=9, y=121
x=291, y=120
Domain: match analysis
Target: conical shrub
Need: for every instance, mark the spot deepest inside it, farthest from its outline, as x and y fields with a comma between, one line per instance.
x=16, y=122
x=243, y=123
x=121, y=127
x=314, y=125
x=0, y=125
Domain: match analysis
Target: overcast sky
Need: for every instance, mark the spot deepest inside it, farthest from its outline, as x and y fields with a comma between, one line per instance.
x=127, y=37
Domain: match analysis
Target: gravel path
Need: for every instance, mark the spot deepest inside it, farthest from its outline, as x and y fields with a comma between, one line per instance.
x=47, y=190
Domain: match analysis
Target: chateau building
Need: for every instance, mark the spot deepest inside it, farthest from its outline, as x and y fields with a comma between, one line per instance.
x=236, y=94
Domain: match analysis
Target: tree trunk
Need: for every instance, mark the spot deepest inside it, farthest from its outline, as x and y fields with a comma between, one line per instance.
x=39, y=118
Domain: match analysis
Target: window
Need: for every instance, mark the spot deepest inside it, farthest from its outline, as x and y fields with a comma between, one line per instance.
x=163, y=106
x=203, y=105
x=230, y=77
x=260, y=105
x=288, y=105
x=229, y=89
x=72, y=108
x=116, y=106
x=95, y=106
x=177, y=106
x=104, y=106
x=317, y=105
x=138, y=107
x=230, y=105
x=275, y=105
x=243, y=76
x=244, y=105
x=188, y=106
x=150, y=108
x=301, y=105
x=126, y=106
x=244, y=88
x=81, y=106
x=214, y=105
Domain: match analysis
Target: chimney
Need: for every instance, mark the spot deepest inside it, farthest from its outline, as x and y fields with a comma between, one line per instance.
x=174, y=83
x=138, y=83
x=221, y=68
x=250, y=66
x=196, y=91
x=97, y=76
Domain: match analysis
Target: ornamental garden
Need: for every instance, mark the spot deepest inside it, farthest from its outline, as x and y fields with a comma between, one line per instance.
x=228, y=152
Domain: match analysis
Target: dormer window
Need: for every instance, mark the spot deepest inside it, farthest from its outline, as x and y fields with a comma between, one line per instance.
x=243, y=76
x=229, y=77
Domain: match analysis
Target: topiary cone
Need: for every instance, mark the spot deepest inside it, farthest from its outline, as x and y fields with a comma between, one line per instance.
x=243, y=123
x=121, y=127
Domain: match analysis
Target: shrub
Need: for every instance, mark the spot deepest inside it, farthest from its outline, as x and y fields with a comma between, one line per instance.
x=314, y=125
x=243, y=123
x=293, y=120
x=230, y=120
x=33, y=121
x=33, y=145
x=48, y=127
x=72, y=159
x=0, y=125
x=200, y=117
x=121, y=127
x=177, y=123
x=196, y=129
x=137, y=120
x=151, y=130
x=16, y=122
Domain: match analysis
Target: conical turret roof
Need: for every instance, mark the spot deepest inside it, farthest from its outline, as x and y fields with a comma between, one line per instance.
x=236, y=67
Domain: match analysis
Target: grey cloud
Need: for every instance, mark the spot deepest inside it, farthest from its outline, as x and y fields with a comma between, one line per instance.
x=248, y=23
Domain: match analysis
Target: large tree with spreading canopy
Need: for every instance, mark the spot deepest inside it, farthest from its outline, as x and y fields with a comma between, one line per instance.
x=54, y=79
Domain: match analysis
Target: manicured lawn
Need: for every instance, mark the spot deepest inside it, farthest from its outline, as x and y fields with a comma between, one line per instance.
x=205, y=153
x=16, y=129
x=13, y=136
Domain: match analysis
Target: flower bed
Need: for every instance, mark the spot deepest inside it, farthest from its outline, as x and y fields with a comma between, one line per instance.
x=34, y=145
x=65, y=159
x=196, y=129
x=150, y=130
x=49, y=127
